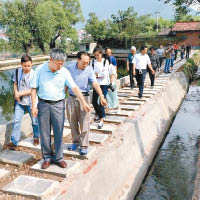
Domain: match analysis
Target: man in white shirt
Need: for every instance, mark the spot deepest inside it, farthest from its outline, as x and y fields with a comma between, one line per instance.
x=140, y=63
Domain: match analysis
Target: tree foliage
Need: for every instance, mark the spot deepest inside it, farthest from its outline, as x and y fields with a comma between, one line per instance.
x=124, y=25
x=181, y=7
x=39, y=22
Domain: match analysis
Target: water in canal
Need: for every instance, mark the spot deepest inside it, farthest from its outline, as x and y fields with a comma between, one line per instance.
x=173, y=172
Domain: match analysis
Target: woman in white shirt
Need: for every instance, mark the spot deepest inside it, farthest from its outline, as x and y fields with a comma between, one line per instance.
x=105, y=74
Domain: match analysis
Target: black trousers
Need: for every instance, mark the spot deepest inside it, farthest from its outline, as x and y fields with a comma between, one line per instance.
x=187, y=54
x=99, y=109
x=152, y=76
x=161, y=61
x=132, y=83
x=176, y=52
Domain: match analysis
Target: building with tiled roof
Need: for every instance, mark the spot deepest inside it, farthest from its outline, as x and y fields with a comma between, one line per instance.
x=191, y=32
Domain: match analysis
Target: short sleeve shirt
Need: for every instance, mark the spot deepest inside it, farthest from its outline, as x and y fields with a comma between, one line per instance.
x=24, y=83
x=51, y=85
x=113, y=61
x=82, y=78
x=130, y=58
x=103, y=71
x=141, y=61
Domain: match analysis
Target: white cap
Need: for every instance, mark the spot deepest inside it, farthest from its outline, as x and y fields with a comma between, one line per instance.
x=133, y=48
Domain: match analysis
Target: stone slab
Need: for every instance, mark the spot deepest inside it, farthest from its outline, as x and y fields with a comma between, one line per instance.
x=91, y=150
x=55, y=169
x=15, y=157
x=4, y=173
x=98, y=138
x=106, y=129
x=149, y=92
x=138, y=99
x=28, y=143
x=133, y=102
x=66, y=132
x=129, y=107
x=125, y=91
x=154, y=89
x=119, y=112
x=31, y=187
x=123, y=95
x=115, y=119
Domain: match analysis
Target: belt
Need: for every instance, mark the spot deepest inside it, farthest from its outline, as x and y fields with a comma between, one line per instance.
x=49, y=101
x=86, y=94
x=141, y=70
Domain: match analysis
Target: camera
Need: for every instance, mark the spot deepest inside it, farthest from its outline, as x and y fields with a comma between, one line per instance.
x=110, y=86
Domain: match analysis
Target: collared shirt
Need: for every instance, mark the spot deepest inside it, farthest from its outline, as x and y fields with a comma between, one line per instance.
x=160, y=52
x=113, y=61
x=24, y=83
x=82, y=78
x=104, y=71
x=130, y=58
x=154, y=60
x=141, y=61
x=51, y=85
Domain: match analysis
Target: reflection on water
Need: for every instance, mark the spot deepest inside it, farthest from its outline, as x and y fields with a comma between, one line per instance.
x=6, y=95
x=174, y=169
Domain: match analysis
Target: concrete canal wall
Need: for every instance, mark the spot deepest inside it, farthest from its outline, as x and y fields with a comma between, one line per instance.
x=118, y=168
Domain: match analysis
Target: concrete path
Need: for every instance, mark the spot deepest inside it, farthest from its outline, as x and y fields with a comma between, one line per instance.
x=39, y=188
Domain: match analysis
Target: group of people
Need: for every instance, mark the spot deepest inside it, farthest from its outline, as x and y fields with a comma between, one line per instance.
x=42, y=93
x=139, y=64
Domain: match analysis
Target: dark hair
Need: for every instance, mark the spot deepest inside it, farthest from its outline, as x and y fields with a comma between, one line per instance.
x=152, y=48
x=98, y=49
x=108, y=48
x=80, y=53
x=26, y=58
x=143, y=47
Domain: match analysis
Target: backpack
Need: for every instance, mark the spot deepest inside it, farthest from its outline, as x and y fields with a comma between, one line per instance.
x=104, y=62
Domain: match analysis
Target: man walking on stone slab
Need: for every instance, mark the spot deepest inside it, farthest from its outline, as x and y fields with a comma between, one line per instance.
x=22, y=91
x=130, y=65
x=140, y=63
x=49, y=83
x=79, y=120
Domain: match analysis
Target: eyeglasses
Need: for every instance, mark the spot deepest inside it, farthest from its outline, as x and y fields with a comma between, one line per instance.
x=58, y=63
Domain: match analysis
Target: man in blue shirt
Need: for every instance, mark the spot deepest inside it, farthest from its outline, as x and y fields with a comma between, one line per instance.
x=83, y=75
x=130, y=65
x=49, y=83
x=112, y=59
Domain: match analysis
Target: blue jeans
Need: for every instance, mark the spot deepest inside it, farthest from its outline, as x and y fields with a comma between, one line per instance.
x=171, y=62
x=99, y=109
x=140, y=80
x=19, y=113
x=167, y=65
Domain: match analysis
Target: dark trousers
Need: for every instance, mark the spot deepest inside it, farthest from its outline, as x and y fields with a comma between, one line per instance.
x=132, y=84
x=152, y=76
x=161, y=61
x=99, y=109
x=51, y=115
x=176, y=52
x=187, y=54
x=140, y=80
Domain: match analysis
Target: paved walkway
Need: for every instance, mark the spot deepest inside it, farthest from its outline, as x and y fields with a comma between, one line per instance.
x=36, y=186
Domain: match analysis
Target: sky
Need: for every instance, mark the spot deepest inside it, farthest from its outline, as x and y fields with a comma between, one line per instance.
x=105, y=8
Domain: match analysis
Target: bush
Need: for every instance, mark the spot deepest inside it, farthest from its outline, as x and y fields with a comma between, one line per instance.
x=190, y=67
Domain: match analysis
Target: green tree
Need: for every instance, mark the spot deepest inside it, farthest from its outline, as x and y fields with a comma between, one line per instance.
x=39, y=22
x=181, y=6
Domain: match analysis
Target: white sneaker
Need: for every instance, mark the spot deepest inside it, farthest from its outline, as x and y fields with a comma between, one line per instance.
x=100, y=125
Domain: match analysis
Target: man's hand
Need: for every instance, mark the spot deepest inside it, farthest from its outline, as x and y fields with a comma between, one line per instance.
x=34, y=112
x=134, y=72
x=17, y=95
x=87, y=107
x=152, y=71
x=103, y=101
x=127, y=68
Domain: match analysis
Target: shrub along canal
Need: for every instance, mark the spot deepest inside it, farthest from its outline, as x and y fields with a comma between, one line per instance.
x=173, y=172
